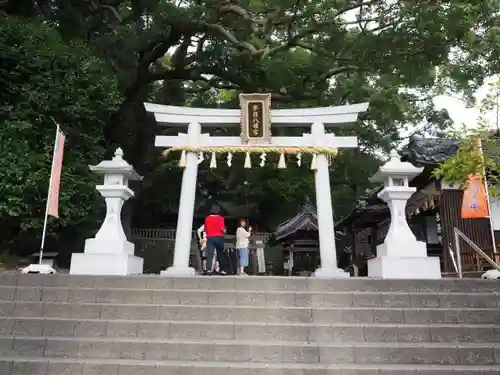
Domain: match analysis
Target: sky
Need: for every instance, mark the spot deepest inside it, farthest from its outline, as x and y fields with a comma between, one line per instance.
x=459, y=112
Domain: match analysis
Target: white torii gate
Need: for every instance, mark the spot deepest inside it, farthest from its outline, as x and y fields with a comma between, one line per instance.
x=195, y=118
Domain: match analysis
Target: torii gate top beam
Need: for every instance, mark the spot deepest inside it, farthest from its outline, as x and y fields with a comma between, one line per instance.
x=214, y=117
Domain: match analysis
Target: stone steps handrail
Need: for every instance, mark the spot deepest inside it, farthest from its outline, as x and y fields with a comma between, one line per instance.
x=459, y=234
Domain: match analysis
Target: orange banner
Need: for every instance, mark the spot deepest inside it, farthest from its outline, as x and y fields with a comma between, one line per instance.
x=474, y=201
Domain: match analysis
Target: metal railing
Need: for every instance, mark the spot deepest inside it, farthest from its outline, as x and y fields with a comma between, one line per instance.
x=459, y=234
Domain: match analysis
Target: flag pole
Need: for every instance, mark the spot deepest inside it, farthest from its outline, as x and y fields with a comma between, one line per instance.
x=486, y=191
x=44, y=231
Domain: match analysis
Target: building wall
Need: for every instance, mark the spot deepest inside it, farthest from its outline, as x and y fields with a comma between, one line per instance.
x=362, y=241
x=382, y=229
x=495, y=212
x=423, y=226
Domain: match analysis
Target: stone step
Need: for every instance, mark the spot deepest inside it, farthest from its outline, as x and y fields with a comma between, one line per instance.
x=253, y=298
x=261, y=283
x=251, y=351
x=208, y=330
x=249, y=313
x=61, y=366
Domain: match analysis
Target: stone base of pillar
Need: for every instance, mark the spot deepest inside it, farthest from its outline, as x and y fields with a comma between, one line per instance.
x=108, y=246
x=331, y=273
x=402, y=248
x=105, y=264
x=178, y=271
x=416, y=268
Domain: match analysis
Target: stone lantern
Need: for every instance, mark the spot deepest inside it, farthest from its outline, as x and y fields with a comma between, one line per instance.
x=109, y=252
x=401, y=256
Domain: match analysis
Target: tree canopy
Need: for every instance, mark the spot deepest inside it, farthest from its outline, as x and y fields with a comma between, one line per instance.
x=397, y=55
x=45, y=80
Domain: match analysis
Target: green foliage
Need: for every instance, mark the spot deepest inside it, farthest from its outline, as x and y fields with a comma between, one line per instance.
x=466, y=161
x=478, y=150
x=396, y=55
x=43, y=78
x=8, y=260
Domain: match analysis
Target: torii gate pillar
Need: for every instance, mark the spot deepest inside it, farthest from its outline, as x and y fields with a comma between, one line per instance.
x=183, y=234
x=195, y=117
x=326, y=227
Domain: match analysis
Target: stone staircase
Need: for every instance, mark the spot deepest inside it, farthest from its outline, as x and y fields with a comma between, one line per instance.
x=149, y=325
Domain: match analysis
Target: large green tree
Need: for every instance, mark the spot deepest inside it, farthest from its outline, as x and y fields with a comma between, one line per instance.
x=45, y=80
x=397, y=55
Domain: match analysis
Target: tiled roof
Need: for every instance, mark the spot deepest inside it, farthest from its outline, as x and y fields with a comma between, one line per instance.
x=360, y=210
x=306, y=219
x=428, y=151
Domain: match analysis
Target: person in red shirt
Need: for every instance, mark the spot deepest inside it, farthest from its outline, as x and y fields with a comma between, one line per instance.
x=214, y=232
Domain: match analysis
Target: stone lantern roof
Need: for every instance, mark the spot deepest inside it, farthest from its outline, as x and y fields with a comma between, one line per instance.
x=117, y=165
x=396, y=168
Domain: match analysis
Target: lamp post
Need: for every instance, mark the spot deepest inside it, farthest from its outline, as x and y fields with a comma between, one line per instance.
x=109, y=252
x=401, y=256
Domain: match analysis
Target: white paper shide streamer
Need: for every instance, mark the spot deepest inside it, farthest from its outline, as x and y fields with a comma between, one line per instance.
x=248, y=161
x=263, y=159
x=299, y=159
x=313, y=162
x=213, y=161
x=182, y=160
x=282, y=162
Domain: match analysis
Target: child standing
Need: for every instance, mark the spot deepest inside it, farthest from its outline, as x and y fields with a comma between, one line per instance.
x=202, y=246
x=242, y=241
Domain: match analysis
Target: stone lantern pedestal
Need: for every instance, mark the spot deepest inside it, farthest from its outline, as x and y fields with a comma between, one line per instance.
x=401, y=256
x=109, y=252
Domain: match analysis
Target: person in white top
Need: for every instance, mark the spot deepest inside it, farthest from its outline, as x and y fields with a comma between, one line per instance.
x=242, y=241
x=202, y=245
